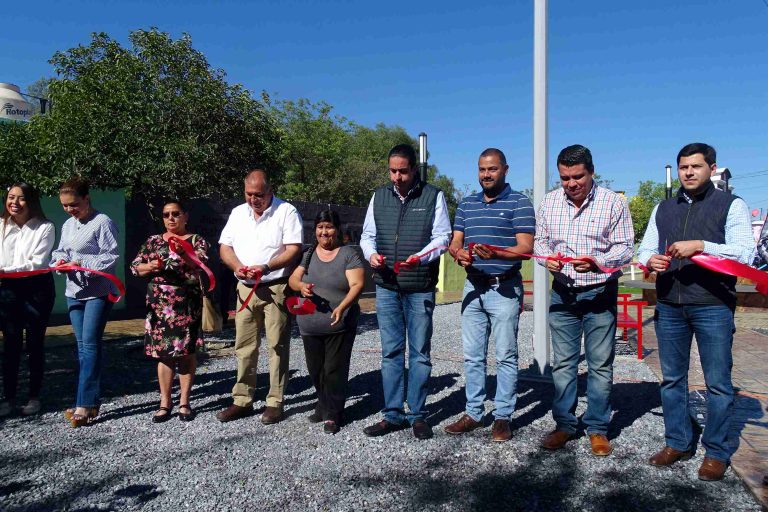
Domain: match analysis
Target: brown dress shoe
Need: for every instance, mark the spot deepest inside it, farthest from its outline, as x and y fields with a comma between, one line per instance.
x=712, y=470
x=555, y=440
x=234, y=412
x=271, y=415
x=668, y=456
x=462, y=425
x=600, y=445
x=501, y=431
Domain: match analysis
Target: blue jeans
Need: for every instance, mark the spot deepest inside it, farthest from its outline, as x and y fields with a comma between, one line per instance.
x=591, y=312
x=713, y=326
x=485, y=310
x=398, y=312
x=89, y=317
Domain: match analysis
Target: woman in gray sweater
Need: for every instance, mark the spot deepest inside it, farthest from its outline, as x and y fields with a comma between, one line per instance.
x=331, y=276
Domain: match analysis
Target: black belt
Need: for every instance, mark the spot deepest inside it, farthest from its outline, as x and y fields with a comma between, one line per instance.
x=579, y=289
x=279, y=280
x=488, y=280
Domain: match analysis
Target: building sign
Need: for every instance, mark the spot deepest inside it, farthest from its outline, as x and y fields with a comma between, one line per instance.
x=13, y=107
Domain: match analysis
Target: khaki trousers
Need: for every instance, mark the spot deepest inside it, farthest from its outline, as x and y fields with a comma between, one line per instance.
x=265, y=310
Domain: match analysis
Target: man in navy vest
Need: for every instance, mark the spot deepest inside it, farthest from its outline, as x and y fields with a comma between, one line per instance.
x=692, y=300
x=406, y=225
x=493, y=292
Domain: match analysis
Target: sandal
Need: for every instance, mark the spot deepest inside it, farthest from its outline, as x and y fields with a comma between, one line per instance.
x=186, y=417
x=78, y=420
x=162, y=418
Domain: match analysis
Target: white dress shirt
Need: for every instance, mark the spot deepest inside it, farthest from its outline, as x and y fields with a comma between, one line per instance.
x=256, y=241
x=27, y=247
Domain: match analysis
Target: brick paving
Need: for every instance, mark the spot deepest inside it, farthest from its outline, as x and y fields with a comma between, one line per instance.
x=750, y=377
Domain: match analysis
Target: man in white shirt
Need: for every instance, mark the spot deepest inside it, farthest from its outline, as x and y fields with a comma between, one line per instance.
x=262, y=239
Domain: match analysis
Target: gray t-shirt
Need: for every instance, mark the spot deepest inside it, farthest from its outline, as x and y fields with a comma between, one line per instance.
x=331, y=286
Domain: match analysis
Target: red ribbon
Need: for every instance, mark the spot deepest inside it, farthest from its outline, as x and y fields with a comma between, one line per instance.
x=411, y=261
x=69, y=268
x=733, y=268
x=299, y=306
x=179, y=246
x=257, y=279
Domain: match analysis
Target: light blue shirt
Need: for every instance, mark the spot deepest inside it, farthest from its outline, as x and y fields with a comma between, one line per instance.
x=739, y=242
x=441, y=231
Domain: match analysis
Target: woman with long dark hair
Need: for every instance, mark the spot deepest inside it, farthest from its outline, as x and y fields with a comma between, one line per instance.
x=88, y=239
x=174, y=308
x=331, y=276
x=26, y=240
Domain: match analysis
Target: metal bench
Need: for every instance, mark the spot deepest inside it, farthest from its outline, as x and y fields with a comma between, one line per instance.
x=625, y=319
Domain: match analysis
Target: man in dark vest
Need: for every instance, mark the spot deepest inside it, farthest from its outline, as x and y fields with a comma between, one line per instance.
x=694, y=301
x=407, y=226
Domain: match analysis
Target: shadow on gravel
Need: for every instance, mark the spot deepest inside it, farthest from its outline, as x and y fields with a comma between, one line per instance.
x=543, y=482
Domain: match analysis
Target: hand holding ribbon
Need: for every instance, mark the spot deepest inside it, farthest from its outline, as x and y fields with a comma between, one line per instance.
x=184, y=249
x=250, y=273
x=299, y=306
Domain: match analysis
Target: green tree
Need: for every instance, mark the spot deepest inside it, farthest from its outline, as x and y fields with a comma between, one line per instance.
x=154, y=118
x=649, y=194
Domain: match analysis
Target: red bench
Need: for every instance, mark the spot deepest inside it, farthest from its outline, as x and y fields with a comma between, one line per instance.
x=625, y=319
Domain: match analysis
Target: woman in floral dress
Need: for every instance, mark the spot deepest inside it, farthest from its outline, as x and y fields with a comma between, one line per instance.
x=174, y=308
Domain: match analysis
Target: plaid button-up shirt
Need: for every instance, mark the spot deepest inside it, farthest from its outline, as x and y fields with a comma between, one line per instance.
x=601, y=228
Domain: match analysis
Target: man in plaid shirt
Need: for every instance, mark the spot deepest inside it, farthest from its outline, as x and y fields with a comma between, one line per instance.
x=592, y=224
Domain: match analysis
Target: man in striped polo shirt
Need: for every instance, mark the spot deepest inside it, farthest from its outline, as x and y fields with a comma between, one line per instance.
x=592, y=224
x=499, y=222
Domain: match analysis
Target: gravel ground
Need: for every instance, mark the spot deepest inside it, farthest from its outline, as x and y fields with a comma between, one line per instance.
x=125, y=462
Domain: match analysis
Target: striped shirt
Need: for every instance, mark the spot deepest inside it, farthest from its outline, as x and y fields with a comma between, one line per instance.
x=494, y=222
x=91, y=244
x=601, y=228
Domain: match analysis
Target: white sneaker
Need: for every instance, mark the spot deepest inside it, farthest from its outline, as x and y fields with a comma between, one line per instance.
x=5, y=409
x=32, y=407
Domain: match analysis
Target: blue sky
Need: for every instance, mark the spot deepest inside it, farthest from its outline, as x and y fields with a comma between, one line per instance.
x=633, y=81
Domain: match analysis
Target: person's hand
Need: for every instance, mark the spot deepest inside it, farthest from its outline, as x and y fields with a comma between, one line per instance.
x=685, y=249
x=153, y=266
x=336, y=315
x=484, y=252
x=582, y=264
x=410, y=262
x=659, y=262
x=377, y=260
x=463, y=258
x=554, y=265
x=306, y=289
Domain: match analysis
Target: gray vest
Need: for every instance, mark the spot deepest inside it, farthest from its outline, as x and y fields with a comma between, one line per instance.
x=403, y=229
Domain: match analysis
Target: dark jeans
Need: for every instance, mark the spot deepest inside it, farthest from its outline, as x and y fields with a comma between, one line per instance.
x=25, y=304
x=328, y=359
x=89, y=317
x=713, y=327
x=590, y=312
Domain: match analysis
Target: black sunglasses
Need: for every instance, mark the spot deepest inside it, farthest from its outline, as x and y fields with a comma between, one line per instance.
x=175, y=214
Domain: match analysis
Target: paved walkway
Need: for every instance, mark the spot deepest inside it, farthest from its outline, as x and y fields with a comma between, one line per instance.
x=750, y=377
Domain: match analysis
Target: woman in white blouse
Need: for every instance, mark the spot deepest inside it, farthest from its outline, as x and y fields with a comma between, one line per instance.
x=26, y=240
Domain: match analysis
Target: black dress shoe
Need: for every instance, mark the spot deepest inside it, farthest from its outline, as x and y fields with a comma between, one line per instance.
x=331, y=427
x=422, y=430
x=162, y=418
x=186, y=417
x=382, y=428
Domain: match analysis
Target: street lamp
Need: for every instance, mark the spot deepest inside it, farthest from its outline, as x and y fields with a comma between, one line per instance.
x=669, y=180
x=423, y=156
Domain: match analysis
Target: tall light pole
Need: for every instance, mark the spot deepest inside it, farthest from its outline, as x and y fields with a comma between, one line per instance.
x=423, y=156
x=541, y=345
x=668, y=168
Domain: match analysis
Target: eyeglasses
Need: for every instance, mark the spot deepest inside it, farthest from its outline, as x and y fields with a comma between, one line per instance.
x=175, y=215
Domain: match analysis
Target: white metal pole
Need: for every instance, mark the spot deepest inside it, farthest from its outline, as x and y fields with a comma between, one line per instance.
x=541, y=345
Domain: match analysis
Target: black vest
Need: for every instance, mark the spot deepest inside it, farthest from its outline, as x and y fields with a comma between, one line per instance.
x=704, y=218
x=403, y=229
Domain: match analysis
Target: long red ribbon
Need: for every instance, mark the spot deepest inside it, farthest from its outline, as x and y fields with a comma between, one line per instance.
x=69, y=268
x=257, y=279
x=733, y=268
x=179, y=246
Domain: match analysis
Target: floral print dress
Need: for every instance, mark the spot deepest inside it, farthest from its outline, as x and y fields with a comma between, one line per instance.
x=174, y=299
